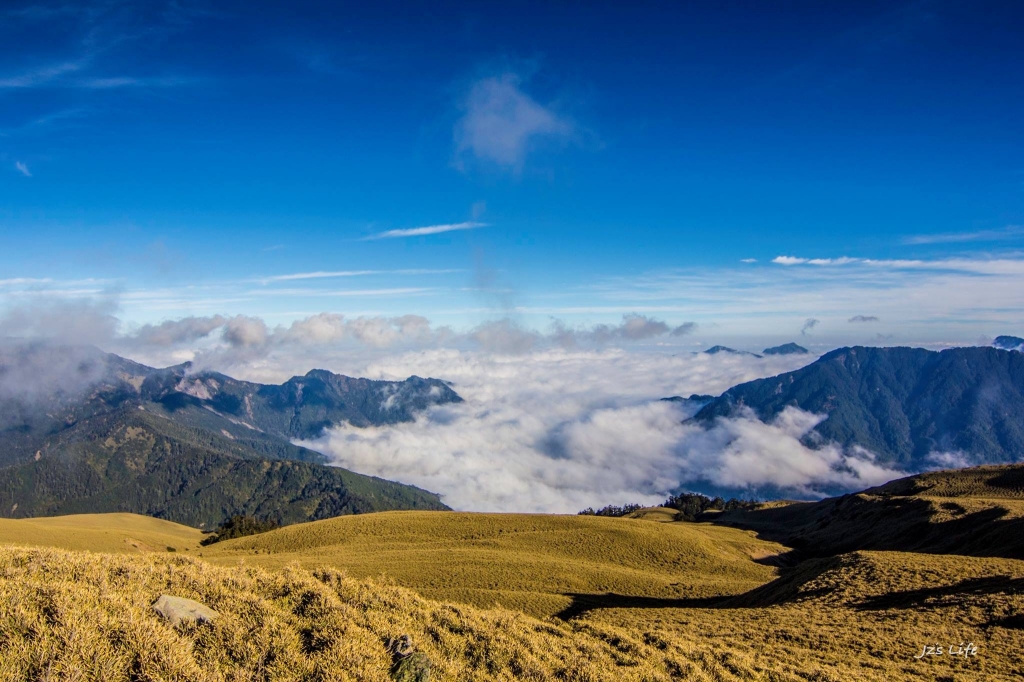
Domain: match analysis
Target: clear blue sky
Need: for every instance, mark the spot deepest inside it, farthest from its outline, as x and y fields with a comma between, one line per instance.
x=602, y=158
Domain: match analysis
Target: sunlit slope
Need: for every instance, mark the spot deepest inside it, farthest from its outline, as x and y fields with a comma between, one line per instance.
x=858, y=616
x=86, y=616
x=990, y=482
x=100, y=533
x=529, y=562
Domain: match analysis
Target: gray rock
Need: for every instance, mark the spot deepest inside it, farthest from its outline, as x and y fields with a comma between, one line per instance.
x=415, y=667
x=178, y=609
x=408, y=665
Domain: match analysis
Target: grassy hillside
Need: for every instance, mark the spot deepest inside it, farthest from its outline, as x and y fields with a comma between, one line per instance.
x=533, y=563
x=974, y=512
x=113, y=533
x=993, y=482
x=860, y=616
x=641, y=598
x=67, y=615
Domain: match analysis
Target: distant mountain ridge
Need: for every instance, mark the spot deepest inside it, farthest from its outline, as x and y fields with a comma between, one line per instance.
x=786, y=349
x=903, y=404
x=1009, y=343
x=85, y=431
x=715, y=350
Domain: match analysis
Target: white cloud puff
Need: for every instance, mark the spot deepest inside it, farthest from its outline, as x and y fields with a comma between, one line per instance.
x=502, y=123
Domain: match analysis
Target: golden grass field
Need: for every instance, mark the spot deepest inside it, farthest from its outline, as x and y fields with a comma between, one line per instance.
x=529, y=562
x=582, y=598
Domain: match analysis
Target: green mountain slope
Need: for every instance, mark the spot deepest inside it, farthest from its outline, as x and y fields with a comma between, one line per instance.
x=132, y=460
x=903, y=404
x=85, y=431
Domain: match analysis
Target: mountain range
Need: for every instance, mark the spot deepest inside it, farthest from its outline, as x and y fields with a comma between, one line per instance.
x=87, y=431
x=911, y=407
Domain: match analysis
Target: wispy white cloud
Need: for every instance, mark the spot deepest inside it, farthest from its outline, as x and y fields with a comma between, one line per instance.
x=397, y=291
x=23, y=169
x=793, y=260
x=328, y=274
x=1008, y=232
x=429, y=229
x=320, y=274
x=70, y=74
x=42, y=75
x=501, y=123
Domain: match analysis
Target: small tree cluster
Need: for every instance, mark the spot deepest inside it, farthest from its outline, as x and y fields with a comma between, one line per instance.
x=240, y=526
x=611, y=510
x=688, y=506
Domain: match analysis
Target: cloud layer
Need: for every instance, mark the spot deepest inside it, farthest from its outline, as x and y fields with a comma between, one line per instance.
x=559, y=430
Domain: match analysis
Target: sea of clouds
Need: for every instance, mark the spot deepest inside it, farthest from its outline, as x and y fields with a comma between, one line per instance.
x=551, y=422
x=559, y=430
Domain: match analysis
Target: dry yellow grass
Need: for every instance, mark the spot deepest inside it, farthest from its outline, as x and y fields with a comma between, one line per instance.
x=101, y=533
x=864, y=616
x=529, y=562
x=637, y=600
x=84, y=616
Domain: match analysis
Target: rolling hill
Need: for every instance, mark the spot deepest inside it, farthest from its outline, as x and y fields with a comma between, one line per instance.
x=640, y=598
x=911, y=407
x=971, y=512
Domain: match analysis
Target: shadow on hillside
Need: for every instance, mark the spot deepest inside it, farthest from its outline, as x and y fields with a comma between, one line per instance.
x=904, y=524
x=945, y=595
x=584, y=603
x=785, y=588
x=789, y=588
x=1011, y=479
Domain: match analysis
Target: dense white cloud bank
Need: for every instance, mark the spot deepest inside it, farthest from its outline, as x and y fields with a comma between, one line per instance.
x=560, y=430
x=552, y=421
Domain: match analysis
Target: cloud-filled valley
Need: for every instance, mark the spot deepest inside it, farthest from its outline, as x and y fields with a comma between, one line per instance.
x=559, y=430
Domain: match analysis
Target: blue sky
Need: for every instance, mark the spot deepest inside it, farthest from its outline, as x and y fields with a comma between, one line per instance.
x=746, y=167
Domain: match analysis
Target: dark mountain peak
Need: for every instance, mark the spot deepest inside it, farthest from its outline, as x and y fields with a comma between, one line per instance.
x=694, y=397
x=715, y=350
x=1009, y=343
x=786, y=349
x=906, y=405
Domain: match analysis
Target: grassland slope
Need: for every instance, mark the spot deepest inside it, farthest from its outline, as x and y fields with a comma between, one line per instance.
x=113, y=533
x=84, y=616
x=971, y=512
x=529, y=562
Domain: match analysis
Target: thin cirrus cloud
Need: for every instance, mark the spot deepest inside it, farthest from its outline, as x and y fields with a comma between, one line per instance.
x=23, y=169
x=40, y=76
x=322, y=274
x=427, y=230
x=399, y=291
x=1008, y=232
x=69, y=75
